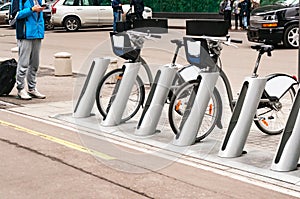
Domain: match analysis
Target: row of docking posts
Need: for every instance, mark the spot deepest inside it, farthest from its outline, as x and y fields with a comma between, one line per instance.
x=288, y=151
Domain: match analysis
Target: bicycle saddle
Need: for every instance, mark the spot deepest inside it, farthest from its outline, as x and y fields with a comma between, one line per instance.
x=178, y=42
x=263, y=48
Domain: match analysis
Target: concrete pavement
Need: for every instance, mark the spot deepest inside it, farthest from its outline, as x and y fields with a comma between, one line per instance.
x=58, y=108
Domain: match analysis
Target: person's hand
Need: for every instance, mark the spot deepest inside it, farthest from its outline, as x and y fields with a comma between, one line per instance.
x=37, y=8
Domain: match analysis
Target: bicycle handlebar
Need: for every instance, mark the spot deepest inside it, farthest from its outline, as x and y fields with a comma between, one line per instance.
x=142, y=34
x=225, y=40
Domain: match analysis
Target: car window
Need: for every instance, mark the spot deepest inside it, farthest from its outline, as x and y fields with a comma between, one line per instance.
x=5, y=8
x=90, y=2
x=73, y=3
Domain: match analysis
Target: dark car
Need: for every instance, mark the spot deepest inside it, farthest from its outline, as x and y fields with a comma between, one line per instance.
x=276, y=24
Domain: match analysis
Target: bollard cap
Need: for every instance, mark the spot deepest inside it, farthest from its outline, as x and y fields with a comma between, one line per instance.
x=15, y=49
x=62, y=55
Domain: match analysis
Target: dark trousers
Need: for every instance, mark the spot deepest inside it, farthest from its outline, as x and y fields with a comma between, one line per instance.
x=227, y=17
x=238, y=20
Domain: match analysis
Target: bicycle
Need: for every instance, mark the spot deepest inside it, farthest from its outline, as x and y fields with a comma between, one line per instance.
x=273, y=101
x=128, y=45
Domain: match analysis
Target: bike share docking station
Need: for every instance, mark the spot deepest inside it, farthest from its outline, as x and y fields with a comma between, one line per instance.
x=122, y=47
x=197, y=54
x=118, y=105
x=87, y=95
x=194, y=114
x=242, y=117
x=155, y=102
x=288, y=151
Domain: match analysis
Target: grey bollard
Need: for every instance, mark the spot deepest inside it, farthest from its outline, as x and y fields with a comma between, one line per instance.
x=155, y=102
x=118, y=106
x=189, y=131
x=62, y=64
x=242, y=117
x=288, y=151
x=87, y=96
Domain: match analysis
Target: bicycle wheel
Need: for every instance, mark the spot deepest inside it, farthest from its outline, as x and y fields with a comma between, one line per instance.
x=108, y=88
x=272, y=119
x=179, y=104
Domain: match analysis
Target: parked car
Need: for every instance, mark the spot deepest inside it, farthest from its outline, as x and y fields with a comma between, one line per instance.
x=4, y=12
x=46, y=15
x=74, y=14
x=275, y=24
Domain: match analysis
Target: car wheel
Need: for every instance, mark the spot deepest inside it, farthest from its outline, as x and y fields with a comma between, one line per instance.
x=72, y=24
x=291, y=36
x=49, y=25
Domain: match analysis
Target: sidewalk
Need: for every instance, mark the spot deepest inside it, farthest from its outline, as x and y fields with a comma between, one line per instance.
x=253, y=166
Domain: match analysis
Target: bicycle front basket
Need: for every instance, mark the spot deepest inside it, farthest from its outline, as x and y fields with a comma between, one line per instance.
x=122, y=46
x=197, y=53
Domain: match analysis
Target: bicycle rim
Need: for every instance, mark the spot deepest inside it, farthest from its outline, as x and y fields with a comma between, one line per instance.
x=272, y=121
x=107, y=90
x=179, y=105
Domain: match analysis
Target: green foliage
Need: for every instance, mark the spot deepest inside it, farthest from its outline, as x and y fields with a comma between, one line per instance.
x=183, y=5
x=190, y=5
x=187, y=5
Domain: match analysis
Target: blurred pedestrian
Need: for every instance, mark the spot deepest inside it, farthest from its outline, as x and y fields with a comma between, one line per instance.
x=138, y=6
x=249, y=4
x=245, y=12
x=236, y=13
x=29, y=33
x=117, y=11
x=255, y=4
x=227, y=7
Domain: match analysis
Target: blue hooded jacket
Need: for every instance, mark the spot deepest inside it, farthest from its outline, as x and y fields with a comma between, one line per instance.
x=29, y=24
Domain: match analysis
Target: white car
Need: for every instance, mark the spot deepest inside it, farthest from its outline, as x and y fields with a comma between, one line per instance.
x=74, y=14
x=4, y=12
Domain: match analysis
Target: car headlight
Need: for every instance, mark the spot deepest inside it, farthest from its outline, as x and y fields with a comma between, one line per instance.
x=269, y=21
x=270, y=17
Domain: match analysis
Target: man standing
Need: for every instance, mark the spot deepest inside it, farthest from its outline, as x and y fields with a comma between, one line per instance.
x=236, y=12
x=29, y=32
x=138, y=8
x=227, y=11
x=117, y=11
x=245, y=12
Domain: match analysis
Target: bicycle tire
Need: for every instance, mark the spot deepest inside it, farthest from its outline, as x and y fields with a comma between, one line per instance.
x=106, y=91
x=177, y=108
x=271, y=121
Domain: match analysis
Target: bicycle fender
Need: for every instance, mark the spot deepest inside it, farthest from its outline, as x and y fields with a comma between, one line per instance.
x=278, y=83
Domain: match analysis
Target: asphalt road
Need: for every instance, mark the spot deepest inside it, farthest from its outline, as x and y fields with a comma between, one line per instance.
x=42, y=159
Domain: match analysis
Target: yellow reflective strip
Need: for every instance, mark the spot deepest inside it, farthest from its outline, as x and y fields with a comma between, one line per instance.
x=59, y=141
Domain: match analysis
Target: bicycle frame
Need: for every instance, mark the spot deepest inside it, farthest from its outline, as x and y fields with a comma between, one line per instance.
x=284, y=81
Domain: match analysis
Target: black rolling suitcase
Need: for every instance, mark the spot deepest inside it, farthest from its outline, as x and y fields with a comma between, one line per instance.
x=8, y=70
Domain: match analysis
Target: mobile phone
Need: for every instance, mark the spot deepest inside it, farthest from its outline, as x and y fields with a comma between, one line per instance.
x=44, y=5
